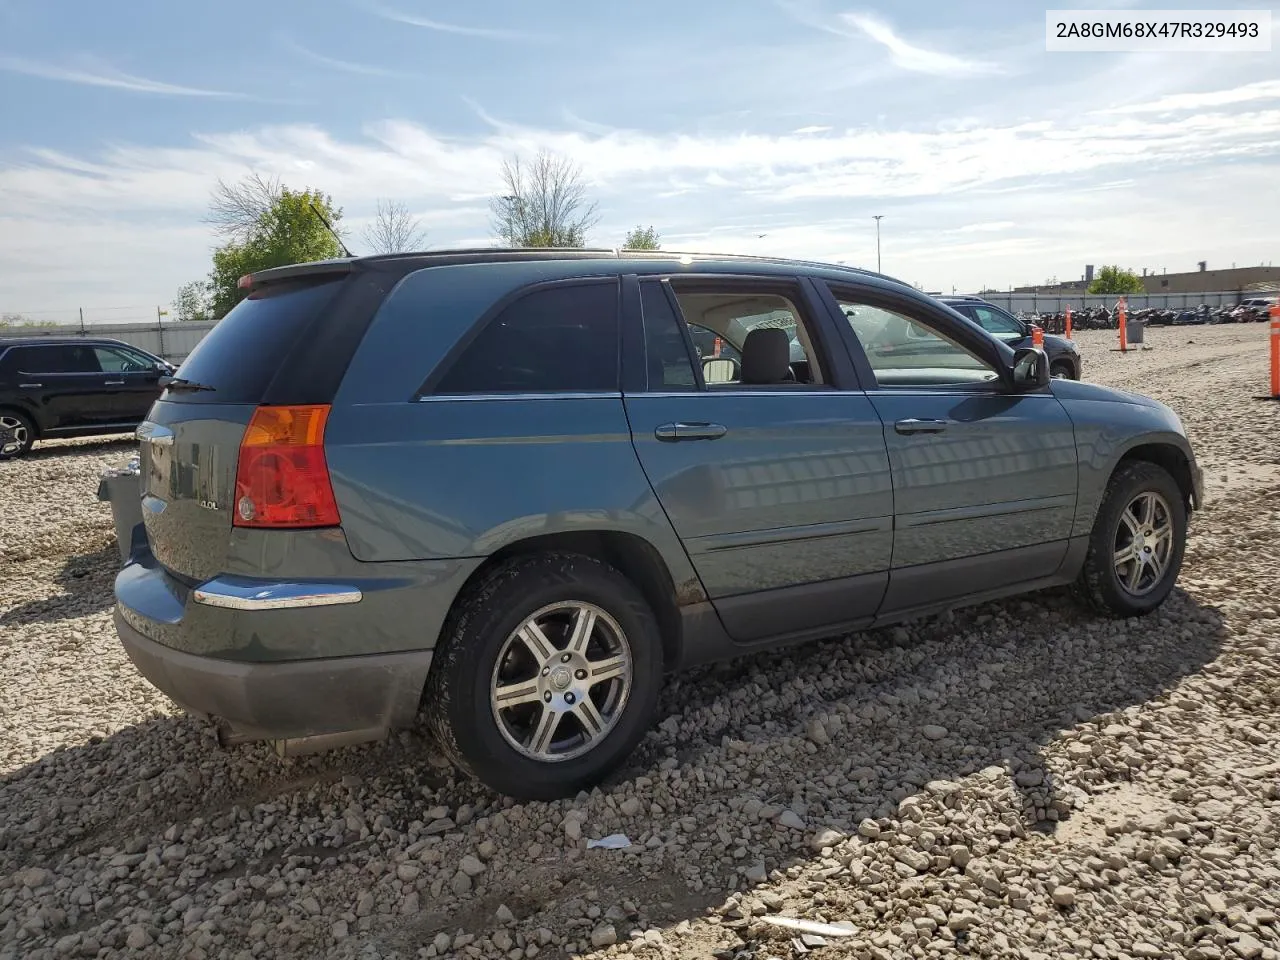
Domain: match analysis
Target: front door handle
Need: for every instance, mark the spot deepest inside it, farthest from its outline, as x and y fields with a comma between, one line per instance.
x=29, y=386
x=672, y=432
x=920, y=426
x=115, y=383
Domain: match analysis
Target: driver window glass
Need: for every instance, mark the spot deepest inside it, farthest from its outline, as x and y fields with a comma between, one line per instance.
x=720, y=324
x=905, y=353
x=992, y=321
x=119, y=361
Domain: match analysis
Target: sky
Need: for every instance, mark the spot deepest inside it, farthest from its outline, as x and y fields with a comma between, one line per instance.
x=777, y=127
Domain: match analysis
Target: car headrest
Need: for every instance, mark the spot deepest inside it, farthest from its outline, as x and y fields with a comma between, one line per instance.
x=766, y=356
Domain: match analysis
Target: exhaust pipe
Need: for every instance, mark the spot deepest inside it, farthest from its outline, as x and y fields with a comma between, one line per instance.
x=300, y=746
x=229, y=735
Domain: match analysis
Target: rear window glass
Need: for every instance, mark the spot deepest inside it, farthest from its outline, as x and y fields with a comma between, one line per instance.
x=561, y=339
x=240, y=356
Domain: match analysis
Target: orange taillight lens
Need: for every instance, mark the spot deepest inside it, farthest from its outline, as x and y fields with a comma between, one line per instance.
x=282, y=479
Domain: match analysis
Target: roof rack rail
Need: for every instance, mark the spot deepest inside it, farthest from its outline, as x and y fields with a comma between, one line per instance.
x=343, y=265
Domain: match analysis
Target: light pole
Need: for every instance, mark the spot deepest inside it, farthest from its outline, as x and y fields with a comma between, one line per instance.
x=877, y=218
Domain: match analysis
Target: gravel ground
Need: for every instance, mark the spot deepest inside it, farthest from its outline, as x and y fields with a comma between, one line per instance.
x=1018, y=779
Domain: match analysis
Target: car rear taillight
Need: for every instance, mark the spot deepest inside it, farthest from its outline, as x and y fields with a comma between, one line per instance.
x=282, y=479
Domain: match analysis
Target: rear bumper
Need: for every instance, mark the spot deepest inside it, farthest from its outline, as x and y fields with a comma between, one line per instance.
x=304, y=704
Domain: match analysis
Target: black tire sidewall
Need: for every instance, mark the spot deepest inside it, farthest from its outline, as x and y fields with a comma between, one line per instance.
x=27, y=422
x=515, y=592
x=1101, y=573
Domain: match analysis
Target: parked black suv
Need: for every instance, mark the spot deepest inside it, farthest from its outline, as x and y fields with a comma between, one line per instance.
x=1064, y=356
x=72, y=387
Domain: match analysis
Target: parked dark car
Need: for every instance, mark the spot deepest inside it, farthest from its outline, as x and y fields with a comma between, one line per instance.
x=496, y=485
x=72, y=387
x=1064, y=355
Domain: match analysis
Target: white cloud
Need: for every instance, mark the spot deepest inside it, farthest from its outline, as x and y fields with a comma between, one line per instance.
x=441, y=26
x=104, y=77
x=127, y=218
x=346, y=66
x=813, y=129
x=910, y=56
x=1181, y=102
x=991, y=226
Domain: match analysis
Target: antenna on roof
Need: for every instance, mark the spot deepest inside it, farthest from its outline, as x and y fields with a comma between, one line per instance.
x=329, y=227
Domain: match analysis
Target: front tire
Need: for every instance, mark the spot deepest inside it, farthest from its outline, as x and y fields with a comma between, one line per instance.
x=17, y=434
x=547, y=678
x=1136, y=547
x=1062, y=371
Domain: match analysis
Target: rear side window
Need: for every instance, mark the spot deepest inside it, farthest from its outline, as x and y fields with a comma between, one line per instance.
x=560, y=339
x=55, y=358
x=242, y=354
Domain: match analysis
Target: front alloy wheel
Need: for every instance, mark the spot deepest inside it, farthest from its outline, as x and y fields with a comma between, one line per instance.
x=1135, y=549
x=1144, y=543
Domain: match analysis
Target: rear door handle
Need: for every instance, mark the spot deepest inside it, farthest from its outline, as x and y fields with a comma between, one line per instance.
x=29, y=386
x=920, y=426
x=672, y=432
x=115, y=383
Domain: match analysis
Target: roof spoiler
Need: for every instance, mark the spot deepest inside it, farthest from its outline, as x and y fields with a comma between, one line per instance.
x=294, y=271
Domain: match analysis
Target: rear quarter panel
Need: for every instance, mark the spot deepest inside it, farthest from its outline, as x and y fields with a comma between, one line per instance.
x=452, y=478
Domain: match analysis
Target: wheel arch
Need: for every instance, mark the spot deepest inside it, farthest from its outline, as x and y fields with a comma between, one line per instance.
x=630, y=554
x=27, y=414
x=1168, y=456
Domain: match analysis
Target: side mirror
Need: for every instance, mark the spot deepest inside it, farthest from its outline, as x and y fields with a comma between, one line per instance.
x=720, y=370
x=1030, y=370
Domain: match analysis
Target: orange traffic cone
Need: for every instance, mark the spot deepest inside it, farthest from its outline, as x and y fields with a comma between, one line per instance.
x=1124, y=334
x=1068, y=329
x=1275, y=351
x=1037, y=337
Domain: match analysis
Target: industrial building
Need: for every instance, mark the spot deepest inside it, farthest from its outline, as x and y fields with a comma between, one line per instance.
x=1243, y=280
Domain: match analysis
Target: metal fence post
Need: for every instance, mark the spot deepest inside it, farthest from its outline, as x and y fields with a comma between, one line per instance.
x=160, y=332
x=82, y=321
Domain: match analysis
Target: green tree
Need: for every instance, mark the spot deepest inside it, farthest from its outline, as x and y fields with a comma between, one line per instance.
x=544, y=203
x=194, y=301
x=267, y=225
x=1113, y=279
x=16, y=320
x=642, y=238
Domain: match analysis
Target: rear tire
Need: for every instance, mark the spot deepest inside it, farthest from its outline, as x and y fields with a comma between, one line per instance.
x=547, y=677
x=17, y=434
x=1136, y=546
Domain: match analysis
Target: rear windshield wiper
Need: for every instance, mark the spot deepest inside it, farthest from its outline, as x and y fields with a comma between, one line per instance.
x=181, y=383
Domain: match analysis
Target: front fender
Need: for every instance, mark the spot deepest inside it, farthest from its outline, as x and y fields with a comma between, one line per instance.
x=1110, y=429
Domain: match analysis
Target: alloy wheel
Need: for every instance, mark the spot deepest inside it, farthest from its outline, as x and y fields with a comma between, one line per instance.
x=1144, y=543
x=13, y=436
x=561, y=681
